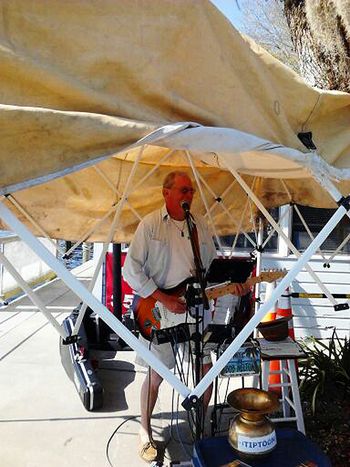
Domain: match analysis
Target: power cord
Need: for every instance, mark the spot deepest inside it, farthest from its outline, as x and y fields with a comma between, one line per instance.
x=153, y=464
x=112, y=435
x=184, y=377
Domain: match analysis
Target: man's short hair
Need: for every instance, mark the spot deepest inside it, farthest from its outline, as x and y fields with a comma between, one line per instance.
x=169, y=179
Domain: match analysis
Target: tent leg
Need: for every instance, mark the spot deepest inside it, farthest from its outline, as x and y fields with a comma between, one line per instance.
x=285, y=238
x=81, y=291
x=255, y=320
x=34, y=298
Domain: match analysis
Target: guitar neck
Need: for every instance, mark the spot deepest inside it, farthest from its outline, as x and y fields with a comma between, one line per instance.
x=228, y=287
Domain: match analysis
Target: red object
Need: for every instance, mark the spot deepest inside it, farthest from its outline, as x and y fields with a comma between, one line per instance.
x=284, y=309
x=127, y=292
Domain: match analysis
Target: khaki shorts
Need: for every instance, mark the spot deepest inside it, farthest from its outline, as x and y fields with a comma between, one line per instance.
x=165, y=352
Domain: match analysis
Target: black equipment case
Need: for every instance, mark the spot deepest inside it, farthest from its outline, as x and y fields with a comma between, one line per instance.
x=75, y=361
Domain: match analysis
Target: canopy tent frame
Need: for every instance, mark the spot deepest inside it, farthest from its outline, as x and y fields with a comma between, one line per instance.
x=190, y=396
x=116, y=218
x=30, y=218
x=31, y=294
x=199, y=180
x=265, y=308
x=282, y=234
x=219, y=202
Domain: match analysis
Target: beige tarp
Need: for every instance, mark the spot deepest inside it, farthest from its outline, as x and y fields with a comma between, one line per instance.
x=82, y=81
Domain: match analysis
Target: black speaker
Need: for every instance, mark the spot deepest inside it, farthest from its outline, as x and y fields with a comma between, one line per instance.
x=230, y=269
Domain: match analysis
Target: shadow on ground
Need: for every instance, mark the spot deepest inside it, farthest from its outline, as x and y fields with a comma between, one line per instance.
x=115, y=376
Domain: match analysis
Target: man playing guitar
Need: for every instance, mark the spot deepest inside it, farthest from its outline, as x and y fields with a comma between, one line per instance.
x=160, y=257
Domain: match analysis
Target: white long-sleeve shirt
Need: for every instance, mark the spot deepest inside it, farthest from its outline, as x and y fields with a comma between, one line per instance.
x=148, y=260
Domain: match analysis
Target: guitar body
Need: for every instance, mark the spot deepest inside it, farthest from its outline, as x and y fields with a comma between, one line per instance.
x=146, y=313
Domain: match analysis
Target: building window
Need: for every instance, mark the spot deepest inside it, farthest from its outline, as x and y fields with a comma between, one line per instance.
x=316, y=219
x=244, y=245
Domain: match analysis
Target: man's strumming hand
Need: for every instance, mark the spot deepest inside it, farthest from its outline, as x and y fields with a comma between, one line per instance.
x=174, y=304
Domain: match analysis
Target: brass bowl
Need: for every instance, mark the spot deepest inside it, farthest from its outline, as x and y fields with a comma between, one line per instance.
x=251, y=433
x=275, y=330
x=253, y=402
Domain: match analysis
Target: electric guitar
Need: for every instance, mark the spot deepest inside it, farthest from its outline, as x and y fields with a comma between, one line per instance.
x=147, y=315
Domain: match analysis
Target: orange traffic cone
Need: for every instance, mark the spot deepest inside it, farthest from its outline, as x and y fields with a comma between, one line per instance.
x=274, y=378
x=284, y=310
x=271, y=315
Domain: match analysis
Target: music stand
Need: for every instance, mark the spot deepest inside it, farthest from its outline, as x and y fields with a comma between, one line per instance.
x=230, y=269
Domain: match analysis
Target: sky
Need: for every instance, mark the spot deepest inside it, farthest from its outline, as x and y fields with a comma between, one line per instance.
x=230, y=9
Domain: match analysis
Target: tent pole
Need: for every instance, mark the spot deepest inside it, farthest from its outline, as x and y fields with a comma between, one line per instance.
x=222, y=196
x=147, y=176
x=255, y=320
x=112, y=229
x=282, y=234
x=239, y=230
x=258, y=262
x=33, y=222
x=219, y=202
x=325, y=182
x=194, y=171
x=114, y=189
x=87, y=234
x=306, y=227
x=81, y=291
x=295, y=207
x=334, y=254
x=84, y=306
x=29, y=291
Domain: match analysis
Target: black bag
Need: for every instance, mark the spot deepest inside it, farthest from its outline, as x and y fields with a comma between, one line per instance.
x=74, y=358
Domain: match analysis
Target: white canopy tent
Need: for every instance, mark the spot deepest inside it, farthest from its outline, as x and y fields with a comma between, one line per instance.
x=88, y=132
x=186, y=140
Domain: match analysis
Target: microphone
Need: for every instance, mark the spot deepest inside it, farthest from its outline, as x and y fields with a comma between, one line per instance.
x=185, y=206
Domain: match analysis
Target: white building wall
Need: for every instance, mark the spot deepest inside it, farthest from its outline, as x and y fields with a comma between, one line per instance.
x=317, y=317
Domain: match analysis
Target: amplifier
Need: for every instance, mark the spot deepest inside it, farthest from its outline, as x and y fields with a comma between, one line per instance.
x=218, y=333
x=175, y=334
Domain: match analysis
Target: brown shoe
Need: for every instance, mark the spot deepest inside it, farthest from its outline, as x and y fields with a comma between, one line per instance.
x=148, y=452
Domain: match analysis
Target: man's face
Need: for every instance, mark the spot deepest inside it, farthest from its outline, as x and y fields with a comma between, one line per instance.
x=182, y=190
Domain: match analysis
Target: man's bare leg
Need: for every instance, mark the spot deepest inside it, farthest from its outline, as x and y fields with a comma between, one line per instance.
x=149, y=395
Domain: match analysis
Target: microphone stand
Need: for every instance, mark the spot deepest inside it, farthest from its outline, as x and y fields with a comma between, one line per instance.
x=199, y=270
x=196, y=300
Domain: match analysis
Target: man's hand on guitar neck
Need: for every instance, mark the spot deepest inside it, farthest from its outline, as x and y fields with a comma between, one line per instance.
x=173, y=303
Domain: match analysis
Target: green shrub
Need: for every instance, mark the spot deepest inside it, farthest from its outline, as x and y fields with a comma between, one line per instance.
x=325, y=374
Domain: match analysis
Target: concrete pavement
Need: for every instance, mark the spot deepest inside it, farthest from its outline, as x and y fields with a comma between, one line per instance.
x=43, y=421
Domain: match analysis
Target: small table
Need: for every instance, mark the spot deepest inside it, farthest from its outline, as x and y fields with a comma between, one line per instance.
x=283, y=356
x=292, y=449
